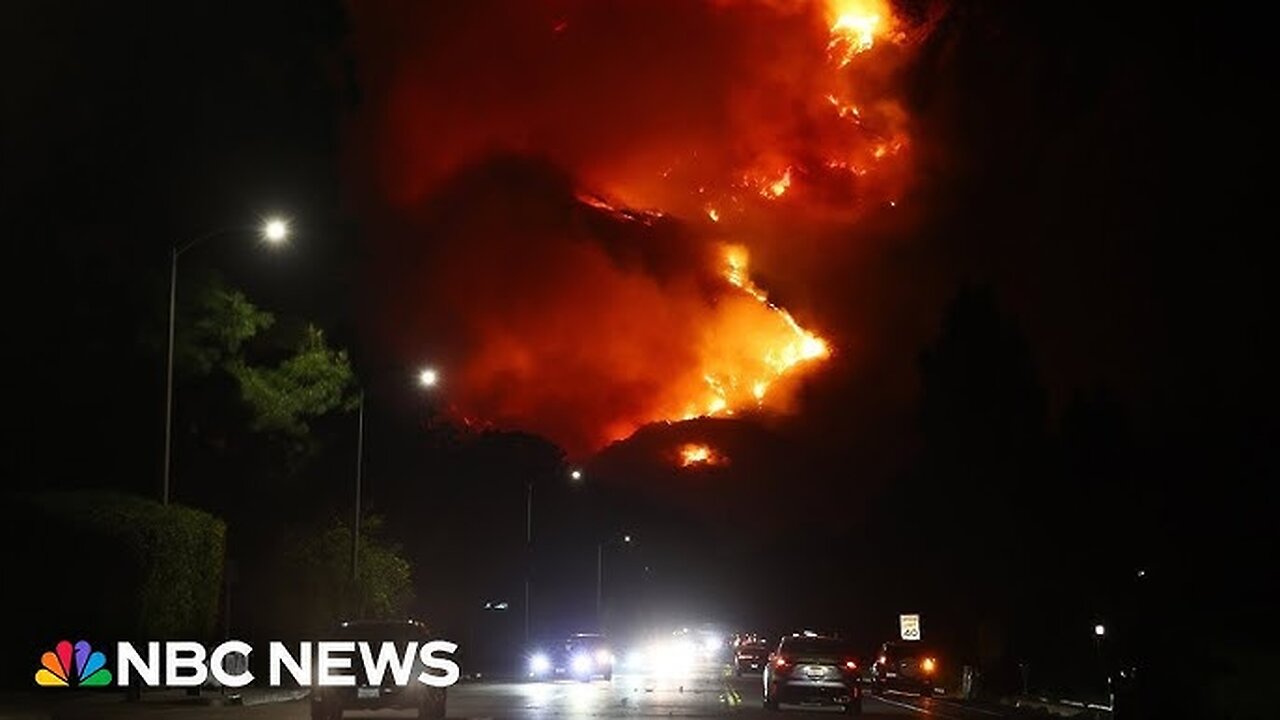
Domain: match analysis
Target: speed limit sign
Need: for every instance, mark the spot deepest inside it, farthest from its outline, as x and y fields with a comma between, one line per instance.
x=909, y=626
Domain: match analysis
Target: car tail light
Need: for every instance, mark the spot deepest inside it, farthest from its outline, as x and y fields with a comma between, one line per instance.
x=882, y=660
x=928, y=665
x=850, y=665
x=781, y=662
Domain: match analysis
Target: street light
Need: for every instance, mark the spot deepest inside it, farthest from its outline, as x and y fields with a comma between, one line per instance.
x=1099, y=630
x=274, y=231
x=427, y=378
x=575, y=475
x=626, y=540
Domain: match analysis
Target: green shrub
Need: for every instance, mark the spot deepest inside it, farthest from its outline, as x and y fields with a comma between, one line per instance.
x=123, y=565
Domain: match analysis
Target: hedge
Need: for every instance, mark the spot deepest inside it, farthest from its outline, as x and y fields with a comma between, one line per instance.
x=118, y=565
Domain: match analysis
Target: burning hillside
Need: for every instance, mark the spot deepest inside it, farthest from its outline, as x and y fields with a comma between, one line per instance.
x=577, y=201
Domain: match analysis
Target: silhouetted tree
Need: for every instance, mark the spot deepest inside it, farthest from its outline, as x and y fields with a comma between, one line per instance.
x=979, y=486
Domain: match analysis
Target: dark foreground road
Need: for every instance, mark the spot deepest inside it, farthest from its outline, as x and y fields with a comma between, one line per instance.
x=707, y=692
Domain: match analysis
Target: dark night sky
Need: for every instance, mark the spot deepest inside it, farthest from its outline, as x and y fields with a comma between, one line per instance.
x=1104, y=170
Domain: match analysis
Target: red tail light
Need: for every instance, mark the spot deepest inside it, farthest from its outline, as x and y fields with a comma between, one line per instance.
x=781, y=662
x=850, y=665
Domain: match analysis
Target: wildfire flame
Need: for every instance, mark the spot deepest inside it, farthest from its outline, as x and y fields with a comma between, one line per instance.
x=699, y=454
x=585, y=331
x=739, y=370
x=854, y=27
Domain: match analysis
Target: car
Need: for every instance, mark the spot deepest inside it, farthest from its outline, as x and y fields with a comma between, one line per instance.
x=808, y=668
x=581, y=656
x=905, y=666
x=328, y=703
x=750, y=656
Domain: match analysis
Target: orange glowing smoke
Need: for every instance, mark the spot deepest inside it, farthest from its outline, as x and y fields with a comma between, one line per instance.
x=687, y=132
x=699, y=454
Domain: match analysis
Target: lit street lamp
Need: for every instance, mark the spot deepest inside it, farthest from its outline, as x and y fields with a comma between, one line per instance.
x=575, y=475
x=626, y=540
x=273, y=231
x=427, y=378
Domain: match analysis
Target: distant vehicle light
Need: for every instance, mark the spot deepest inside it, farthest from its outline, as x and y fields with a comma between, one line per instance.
x=850, y=665
x=928, y=665
x=603, y=657
x=581, y=663
x=780, y=661
x=539, y=664
x=637, y=659
x=882, y=660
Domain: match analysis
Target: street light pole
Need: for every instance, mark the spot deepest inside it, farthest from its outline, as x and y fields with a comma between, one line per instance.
x=274, y=231
x=355, y=525
x=168, y=383
x=600, y=586
x=575, y=475
x=528, y=551
x=626, y=539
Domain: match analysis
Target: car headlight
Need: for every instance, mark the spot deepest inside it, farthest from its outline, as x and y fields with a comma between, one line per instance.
x=637, y=659
x=603, y=657
x=581, y=663
x=539, y=664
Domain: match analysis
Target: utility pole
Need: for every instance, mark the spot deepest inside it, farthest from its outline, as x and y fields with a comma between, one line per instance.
x=355, y=525
x=528, y=551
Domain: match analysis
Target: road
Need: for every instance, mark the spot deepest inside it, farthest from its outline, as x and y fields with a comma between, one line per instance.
x=705, y=692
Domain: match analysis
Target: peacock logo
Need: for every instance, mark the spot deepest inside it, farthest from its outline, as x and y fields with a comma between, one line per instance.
x=57, y=669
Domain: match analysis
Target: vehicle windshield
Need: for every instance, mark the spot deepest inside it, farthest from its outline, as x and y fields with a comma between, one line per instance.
x=902, y=652
x=380, y=631
x=817, y=646
x=585, y=642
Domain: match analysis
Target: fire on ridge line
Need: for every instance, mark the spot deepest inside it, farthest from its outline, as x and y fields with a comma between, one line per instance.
x=735, y=383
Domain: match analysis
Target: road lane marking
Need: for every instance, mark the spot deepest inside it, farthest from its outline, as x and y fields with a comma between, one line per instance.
x=923, y=711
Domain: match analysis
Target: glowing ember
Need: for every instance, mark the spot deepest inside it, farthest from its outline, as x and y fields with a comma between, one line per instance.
x=698, y=454
x=776, y=188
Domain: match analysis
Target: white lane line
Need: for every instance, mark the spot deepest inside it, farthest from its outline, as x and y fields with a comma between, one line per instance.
x=948, y=703
x=916, y=708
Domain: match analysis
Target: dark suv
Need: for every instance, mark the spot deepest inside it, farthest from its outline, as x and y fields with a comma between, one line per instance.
x=750, y=656
x=812, y=668
x=905, y=666
x=328, y=703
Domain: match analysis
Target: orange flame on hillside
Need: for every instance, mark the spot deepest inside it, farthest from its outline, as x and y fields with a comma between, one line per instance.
x=584, y=321
x=740, y=365
x=699, y=454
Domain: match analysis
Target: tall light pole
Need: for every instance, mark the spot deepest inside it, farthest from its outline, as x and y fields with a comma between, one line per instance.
x=626, y=540
x=427, y=378
x=355, y=525
x=576, y=476
x=273, y=231
x=528, y=550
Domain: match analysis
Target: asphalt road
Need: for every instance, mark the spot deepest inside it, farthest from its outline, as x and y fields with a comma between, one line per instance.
x=705, y=692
